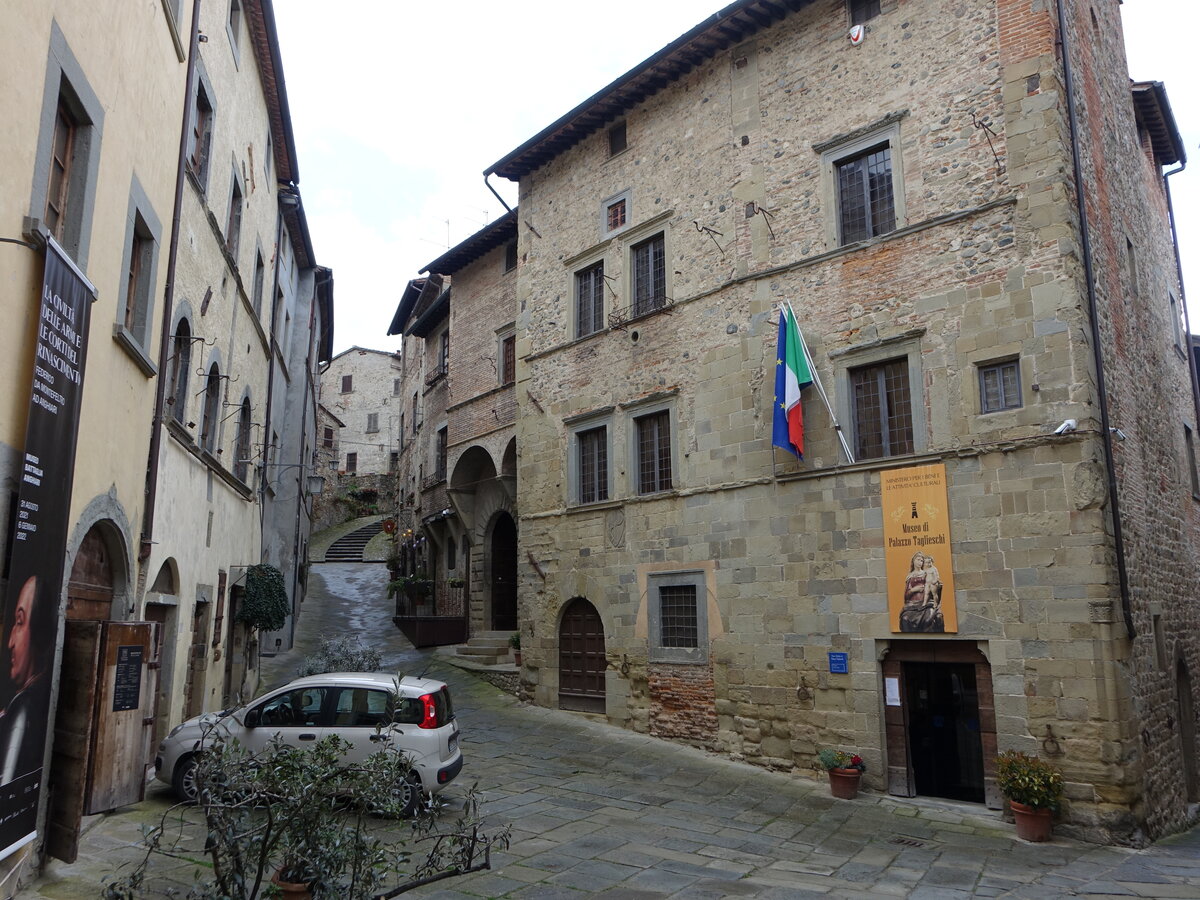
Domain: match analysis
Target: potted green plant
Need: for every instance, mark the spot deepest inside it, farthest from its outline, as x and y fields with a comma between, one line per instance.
x=514, y=641
x=845, y=771
x=1034, y=790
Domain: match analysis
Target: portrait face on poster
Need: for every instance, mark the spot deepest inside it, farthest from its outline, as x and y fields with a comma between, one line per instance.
x=916, y=540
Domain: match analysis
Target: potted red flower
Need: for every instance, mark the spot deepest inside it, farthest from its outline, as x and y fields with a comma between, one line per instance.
x=845, y=771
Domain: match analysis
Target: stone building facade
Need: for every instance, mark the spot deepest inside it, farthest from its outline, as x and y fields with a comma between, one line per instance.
x=362, y=388
x=911, y=190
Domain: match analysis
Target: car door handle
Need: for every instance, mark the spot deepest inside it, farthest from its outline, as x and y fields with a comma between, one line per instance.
x=307, y=737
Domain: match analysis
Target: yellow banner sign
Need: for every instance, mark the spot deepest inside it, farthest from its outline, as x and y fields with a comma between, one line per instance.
x=916, y=541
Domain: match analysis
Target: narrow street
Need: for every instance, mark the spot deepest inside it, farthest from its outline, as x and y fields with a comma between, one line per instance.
x=598, y=811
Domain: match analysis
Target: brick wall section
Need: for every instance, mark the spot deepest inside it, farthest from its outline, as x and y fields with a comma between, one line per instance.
x=683, y=704
x=985, y=267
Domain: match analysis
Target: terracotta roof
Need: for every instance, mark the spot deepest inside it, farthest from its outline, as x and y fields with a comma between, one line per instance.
x=720, y=31
x=260, y=16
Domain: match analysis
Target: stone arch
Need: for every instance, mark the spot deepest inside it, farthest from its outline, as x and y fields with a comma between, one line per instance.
x=473, y=467
x=167, y=579
x=508, y=464
x=104, y=518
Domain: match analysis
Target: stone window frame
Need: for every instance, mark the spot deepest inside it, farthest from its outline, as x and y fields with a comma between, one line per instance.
x=576, y=426
x=655, y=582
x=199, y=145
x=139, y=279
x=626, y=197
x=996, y=365
x=237, y=209
x=906, y=345
x=844, y=147
x=633, y=413
x=66, y=83
x=576, y=265
x=635, y=237
x=234, y=21
x=180, y=365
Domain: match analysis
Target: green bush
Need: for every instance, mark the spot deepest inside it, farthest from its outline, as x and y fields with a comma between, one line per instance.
x=1028, y=780
x=344, y=654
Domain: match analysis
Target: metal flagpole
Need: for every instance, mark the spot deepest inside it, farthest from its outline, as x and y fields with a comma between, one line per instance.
x=812, y=370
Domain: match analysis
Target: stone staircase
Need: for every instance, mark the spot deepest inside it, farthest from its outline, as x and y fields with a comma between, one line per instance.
x=488, y=648
x=349, y=547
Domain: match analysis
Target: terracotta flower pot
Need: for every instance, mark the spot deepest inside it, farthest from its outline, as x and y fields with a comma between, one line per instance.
x=291, y=890
x=843, y=783
x=1032, y=824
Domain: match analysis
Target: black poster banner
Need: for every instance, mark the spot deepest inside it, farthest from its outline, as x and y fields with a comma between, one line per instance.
x=39, y=544
x=127, y=691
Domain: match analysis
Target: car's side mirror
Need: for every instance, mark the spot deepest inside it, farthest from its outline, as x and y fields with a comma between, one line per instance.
x=251, y=720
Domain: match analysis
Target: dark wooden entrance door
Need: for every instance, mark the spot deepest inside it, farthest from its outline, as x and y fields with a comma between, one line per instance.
x=581, y=660
x=504, y=574
x=944, y=744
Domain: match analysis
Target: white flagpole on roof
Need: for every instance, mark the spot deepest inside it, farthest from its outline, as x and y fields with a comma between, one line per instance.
x=816, y=377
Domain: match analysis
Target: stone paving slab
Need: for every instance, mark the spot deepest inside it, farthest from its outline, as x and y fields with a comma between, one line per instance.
x=601, y=812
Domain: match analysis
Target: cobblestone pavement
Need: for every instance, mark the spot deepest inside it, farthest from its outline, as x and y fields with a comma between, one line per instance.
x=599, y=811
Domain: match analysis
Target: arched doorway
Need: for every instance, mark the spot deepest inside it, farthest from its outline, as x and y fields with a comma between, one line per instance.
x=91, y=588
x=504, y=573
x=581, y=659
x=1187, y=730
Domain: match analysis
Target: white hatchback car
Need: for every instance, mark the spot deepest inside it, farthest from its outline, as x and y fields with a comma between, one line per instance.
x=352, y=705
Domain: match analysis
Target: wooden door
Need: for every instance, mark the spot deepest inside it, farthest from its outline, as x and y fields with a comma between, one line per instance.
x=123, y=718
x=72, y=738
x=197, y=671
x=163, y=616
x=504, y=574
x=581, y=659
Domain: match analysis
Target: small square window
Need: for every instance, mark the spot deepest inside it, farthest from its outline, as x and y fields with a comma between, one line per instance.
x=616, y=215
x=866, y=205
x=327, y=439
x=999, y=386
x=510, y=255
x=616, y=139
x=351, y=462
x=372, y=423
x=862, y=10
x=347, y=384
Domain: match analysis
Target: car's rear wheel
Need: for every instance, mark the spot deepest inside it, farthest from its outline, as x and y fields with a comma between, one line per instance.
x=406, y=797
x=184, y=780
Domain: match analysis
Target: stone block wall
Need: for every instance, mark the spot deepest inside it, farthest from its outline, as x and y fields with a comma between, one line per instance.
x=983, y=266
x=375, y=391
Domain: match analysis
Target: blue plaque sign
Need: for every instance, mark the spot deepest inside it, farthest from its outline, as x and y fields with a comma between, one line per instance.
x=839, y=663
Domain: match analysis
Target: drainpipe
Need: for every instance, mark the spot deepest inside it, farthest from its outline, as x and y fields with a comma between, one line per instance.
x=507, y=208
x=165, y=342
x=1090, y=276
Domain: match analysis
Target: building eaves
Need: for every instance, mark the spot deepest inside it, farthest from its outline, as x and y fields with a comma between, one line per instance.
x=410, y=299
x=427, y=319
x=358, y=349
x=260, y=16
x=483, y=241
x=720, y=31
x=1153, y=111
x=324, y=300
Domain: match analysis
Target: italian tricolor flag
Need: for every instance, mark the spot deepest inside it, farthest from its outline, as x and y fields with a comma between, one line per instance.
x=791, y=377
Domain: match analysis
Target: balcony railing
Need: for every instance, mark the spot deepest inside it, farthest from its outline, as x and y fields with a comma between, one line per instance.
x=437, y=598
x=619, y=318
x=435, y=376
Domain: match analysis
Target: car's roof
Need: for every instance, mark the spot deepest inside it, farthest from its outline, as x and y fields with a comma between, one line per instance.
x=377, y=680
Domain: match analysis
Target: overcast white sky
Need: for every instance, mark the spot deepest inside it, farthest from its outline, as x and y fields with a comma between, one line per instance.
x=398, y=107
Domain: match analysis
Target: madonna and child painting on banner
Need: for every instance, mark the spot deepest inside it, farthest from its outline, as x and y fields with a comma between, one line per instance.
x=916, y=539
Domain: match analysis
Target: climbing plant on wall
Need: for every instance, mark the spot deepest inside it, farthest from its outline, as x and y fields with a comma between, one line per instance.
x=265, y=604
